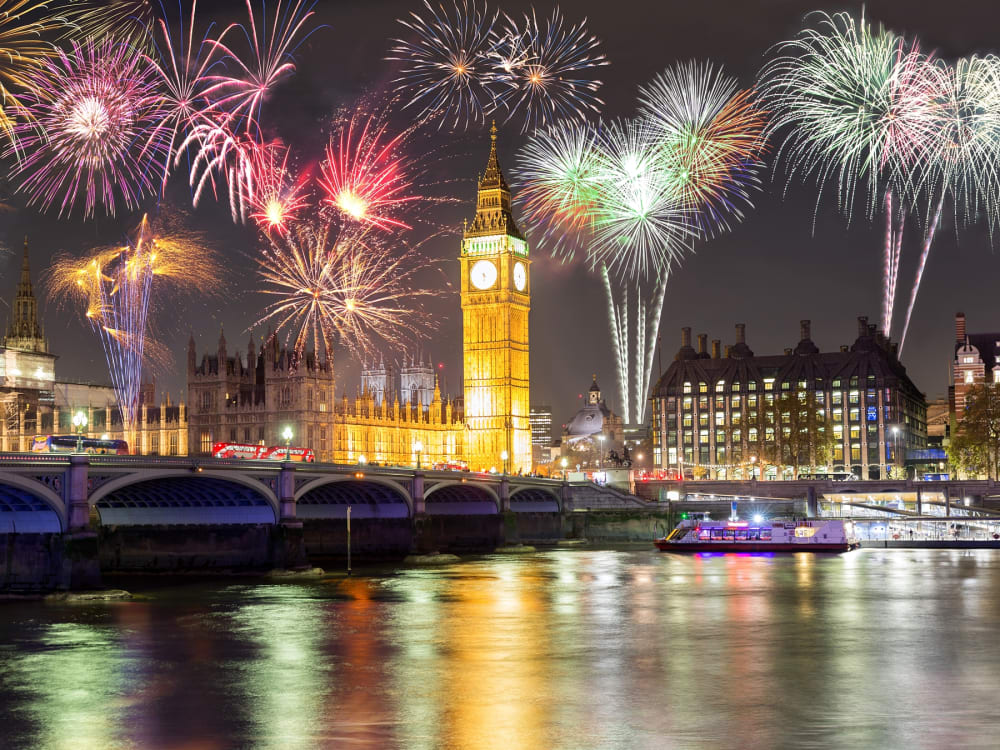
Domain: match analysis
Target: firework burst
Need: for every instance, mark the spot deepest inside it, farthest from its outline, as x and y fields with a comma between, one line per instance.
x=23, y=23
x=446, y=64
x=87, y=118
x=367, y=176
x=546, y=68
x=221, y=156
x=345, y=287
x=117, y=286
x=709, y=138
x=126, y=20
x=241, y=93
x=182, y=67
x=277, y=197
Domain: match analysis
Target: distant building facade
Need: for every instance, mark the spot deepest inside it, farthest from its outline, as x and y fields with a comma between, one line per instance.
x=594, y=433
x=705, y=404
x=34, y=402
x=976, y=360
x=540, y=418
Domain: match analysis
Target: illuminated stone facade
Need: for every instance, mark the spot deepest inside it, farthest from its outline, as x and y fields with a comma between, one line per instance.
x=496, y=300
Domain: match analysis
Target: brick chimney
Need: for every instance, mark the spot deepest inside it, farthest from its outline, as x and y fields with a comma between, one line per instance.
x=702, y=343
x=960, y=327
x=716, y=348
x=741, y=333
x=862, y=325
x=685, y=336
x=804, y=330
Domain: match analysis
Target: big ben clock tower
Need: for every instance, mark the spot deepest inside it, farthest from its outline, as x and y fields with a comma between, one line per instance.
x=496, y=298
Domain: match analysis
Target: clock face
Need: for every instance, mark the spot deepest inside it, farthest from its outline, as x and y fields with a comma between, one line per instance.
x=520, y=276
x=483, y=274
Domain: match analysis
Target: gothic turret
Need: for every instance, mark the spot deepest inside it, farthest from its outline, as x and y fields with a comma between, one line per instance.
x=25, y=332
x=493, y=212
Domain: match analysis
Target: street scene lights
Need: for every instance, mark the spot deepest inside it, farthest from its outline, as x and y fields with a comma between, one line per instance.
x=504, y=455
x=80, y=423
x=564, y=463
x=600, y=463
x=418, y=448
x=362, y=460
x=753, y=463
x=286, y=435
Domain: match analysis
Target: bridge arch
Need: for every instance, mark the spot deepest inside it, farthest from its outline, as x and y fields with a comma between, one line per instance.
x=457, y=498
x=534, y=499
x=184, y=497
x=369, y=497
x=29, y=506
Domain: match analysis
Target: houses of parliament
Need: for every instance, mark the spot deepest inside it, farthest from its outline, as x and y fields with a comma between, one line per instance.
x=253, y=397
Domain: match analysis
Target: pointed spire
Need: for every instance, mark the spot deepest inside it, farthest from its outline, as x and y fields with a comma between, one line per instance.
x=25, y=332
x=493, y=210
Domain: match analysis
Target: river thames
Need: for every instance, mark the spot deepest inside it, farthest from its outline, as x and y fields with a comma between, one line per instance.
x=568, y=648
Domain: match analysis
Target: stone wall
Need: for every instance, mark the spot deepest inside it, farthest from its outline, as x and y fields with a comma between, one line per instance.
x=176, y=548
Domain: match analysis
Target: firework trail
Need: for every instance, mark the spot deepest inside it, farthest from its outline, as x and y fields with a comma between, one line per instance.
x=182, y=67
x=446, y=63
x=544, y=69
x=125, y=20
x=117, y=287
x=966, y=153
x=85, y=131
x=860, y=108
x=23, y=23
x=222, y=155
x=342, y=286
x=367, y=177
x=277, y=197
x=241, y=93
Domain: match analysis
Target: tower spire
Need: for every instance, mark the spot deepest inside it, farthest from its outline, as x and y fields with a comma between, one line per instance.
x=25, y=333
x=493, y=211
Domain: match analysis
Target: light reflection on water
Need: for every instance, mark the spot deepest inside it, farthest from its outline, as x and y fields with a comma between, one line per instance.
x=561, y=649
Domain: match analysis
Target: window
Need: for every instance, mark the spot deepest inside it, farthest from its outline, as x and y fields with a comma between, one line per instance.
x=752, y=385
x=322, y=438
x=720, y=419
x=996, y=374
x=232, y=434
x=734, y=401
x=720, y=402
x=768, y=384
x=309, y=399
x=736, y=387
x=285, y=396
x=838, y=432
x=205, y=441
x=736, y=435
x=703, y=419
x=838, y=398
x=260, y=435
x=769, y=434
x=720, y=386
x=687, y=387
x=736, y=418
x=703, y=402
x=687, y=403
x=968, y=360
x=687, y=420
x=703, y=437
x=688, y=438
x=968, y=376
x=752, y=435
x=785, y=385
x=702, y=386
x=173, y=444
x=154, y=444
x=855, y=452
x=802, y=385
x=246, y=434
x=836, y=383
x=854, y=415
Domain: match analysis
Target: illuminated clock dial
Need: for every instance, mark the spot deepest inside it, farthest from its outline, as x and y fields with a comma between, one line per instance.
x=483, y=274
x=520, y=276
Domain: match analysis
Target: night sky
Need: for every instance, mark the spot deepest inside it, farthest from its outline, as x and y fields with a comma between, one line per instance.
x=774, y=269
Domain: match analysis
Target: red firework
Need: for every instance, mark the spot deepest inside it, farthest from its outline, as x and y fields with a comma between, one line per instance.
x=366, y=177
x=276, y=196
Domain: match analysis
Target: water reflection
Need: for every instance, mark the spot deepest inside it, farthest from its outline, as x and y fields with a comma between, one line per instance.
x=563, y=649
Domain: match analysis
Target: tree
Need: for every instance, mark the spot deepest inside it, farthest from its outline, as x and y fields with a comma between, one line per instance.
x=794, y=429
x=975, y=449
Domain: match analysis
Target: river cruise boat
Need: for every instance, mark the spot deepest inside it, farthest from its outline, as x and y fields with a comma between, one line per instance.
x=814, y=535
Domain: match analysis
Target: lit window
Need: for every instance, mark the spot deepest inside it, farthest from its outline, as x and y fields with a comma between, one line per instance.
x=702, y=386
x=720, y=386
x=687, y=387
x=968, y=376
x=996, y=375
x=968, y=360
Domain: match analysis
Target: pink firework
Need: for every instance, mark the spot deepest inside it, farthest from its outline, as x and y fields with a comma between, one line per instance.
x=277, y=198
x=182, y=67
x=89, y=127
x=242, y=91
x=222, y=156
x=366, y=176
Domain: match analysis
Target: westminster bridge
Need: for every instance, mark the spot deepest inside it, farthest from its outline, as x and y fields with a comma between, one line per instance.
x=138, y=513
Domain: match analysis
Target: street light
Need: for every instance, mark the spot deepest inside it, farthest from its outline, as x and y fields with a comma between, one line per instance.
x=418, y=447
x=504, y=455
x=362, y=460
x=564, y=463
x=753, y=462
x=286, y=435
x=600, y=464
x=79, y=422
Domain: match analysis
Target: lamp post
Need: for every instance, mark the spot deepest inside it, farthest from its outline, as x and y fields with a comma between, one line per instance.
x=753, y=463
x=504, y=455
x=600, y=464
x=564, y=463
x=286, y=435
x=895, y=444
x=79, y=422
x=418, y=447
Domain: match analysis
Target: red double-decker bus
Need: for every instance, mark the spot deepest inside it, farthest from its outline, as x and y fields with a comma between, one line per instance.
x=263, y=452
